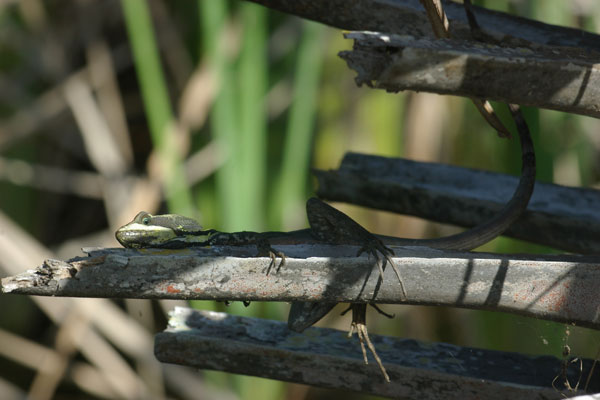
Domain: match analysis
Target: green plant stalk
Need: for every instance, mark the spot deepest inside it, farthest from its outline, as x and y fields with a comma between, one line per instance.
x=212, y=15
x=291, y=183
x=224, y=115
x=252, y=137
x=248, y=162
x=157, y=104
x=238, y=123
x=252, y=161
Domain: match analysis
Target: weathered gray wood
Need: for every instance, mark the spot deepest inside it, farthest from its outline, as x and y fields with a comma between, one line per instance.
x=407, y=17
x=549, y=287
x=326, y=357
x=563, y=217
x=556, y=79
x=553, y=66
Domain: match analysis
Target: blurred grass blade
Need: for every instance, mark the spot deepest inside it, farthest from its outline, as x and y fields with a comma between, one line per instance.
x=252, y=137
x=296, y=154
x=224, y=116
x=238, y=122
x=157, y=104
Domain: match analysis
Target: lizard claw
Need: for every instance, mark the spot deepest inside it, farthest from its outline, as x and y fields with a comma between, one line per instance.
x=264, y=248
x=273, y=255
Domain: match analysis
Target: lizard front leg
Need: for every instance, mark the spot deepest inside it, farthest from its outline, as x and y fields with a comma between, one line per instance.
x=260, y=240
x=265, y=250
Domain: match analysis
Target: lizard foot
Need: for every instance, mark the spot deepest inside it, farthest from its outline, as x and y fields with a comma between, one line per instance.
x=245, y=238
x=274, y=255
x=359, y=317
x=265, y=249
x=375, y=247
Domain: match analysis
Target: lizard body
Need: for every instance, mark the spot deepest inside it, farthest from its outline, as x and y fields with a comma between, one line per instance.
x=329, y=225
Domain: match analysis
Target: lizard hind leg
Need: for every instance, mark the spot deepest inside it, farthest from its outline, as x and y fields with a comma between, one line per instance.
x=375, y=247
x=359, y=318
x=333, y=226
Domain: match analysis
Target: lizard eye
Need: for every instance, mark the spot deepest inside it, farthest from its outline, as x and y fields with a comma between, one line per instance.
x=146, y=220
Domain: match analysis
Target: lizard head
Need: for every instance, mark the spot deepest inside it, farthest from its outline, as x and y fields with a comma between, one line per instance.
x=166, y=230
